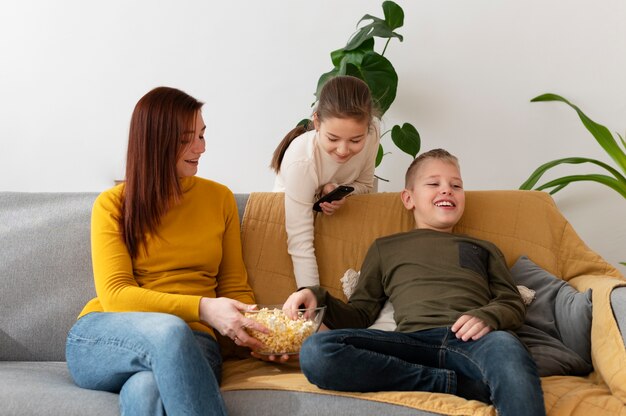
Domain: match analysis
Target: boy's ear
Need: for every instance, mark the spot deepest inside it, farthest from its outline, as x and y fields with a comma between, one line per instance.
x=407, y=199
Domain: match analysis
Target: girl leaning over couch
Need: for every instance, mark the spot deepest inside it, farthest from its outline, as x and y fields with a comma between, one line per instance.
x=338, y=147
x=168, y=270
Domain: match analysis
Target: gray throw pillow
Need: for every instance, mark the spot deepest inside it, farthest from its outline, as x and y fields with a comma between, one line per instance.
x=557, y=329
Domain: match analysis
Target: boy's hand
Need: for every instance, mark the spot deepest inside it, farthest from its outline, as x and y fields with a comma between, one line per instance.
x=469, y=327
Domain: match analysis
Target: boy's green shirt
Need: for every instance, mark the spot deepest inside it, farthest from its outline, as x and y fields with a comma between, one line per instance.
x=431, y=278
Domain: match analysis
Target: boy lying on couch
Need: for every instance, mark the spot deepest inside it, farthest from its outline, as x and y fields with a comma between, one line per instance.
x=455, y=305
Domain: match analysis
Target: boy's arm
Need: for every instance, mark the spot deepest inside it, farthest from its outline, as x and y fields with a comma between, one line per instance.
x=506, y=309
x=366, y=301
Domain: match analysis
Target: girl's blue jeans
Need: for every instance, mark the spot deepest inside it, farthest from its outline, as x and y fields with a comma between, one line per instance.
x=496, y=368
x=154, y=361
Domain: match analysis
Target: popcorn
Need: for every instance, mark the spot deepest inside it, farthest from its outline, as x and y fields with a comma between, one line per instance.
x=286, y=335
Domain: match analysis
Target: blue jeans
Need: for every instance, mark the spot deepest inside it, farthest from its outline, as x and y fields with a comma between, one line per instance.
x=497, y=368
x=154, y=361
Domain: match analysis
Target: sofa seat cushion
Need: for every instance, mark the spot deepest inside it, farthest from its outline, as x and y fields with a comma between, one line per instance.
x=283, y=402
x=46, y=388
x=562, y=394
x=252, y=374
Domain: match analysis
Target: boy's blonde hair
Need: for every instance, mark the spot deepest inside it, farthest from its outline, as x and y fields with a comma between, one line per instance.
x=440, y=154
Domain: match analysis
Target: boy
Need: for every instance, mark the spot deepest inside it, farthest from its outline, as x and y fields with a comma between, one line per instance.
x=454, y=302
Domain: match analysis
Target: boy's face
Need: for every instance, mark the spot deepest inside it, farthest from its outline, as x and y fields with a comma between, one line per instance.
x=437, y=197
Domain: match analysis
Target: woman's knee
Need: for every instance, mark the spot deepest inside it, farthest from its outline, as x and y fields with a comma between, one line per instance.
x=164, y=330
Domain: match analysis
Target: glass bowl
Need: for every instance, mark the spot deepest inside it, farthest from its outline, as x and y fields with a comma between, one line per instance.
x=285, y=335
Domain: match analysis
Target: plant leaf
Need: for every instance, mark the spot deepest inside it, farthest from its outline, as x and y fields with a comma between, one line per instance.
x=560, y=183
x=382, y=28
x=600, y=133
x=394, y=15
x=406, y=138
x=538, y=173
x=382, y=79
x=379, y=155
x=337, y=56
x=622, y=139
x=304, y=122
x=378, y=28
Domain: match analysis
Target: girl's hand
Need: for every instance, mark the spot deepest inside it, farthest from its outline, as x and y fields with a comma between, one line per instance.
x=469, y=327
x=329, y=208
x=226, y=316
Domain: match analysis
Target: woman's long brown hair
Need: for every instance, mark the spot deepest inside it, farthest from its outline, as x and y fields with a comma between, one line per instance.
x=160, y=120
x=342, y=96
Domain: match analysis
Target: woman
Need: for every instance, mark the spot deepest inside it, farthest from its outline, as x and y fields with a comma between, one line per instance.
x=341, y=150
x=168, y=270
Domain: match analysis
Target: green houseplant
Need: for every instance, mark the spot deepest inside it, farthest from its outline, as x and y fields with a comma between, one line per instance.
x=358, y=58
x=614, y=177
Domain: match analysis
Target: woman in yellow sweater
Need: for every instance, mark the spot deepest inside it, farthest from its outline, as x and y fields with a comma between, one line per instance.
x=168, y=270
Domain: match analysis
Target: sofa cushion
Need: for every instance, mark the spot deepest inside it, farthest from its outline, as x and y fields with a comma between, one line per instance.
x=45, y=271
x=557, y=328
x=46, y=388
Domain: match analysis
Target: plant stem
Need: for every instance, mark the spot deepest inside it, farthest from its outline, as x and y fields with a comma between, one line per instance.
x=382, y=179
x=385, y=48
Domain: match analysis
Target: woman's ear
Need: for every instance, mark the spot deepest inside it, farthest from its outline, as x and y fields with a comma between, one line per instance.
x=316, y=121
x=407, y=199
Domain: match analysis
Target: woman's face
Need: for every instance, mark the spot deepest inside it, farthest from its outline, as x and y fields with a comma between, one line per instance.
x=193, y=147
x=342, y=138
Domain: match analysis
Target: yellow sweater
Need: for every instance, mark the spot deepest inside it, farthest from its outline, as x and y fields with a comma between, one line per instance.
x=197, y=253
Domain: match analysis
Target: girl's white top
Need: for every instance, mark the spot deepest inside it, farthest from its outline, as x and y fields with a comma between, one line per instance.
x=305, y=169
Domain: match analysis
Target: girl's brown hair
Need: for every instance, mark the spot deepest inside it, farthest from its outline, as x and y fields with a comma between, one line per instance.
x=158, y=125
x=341, y=97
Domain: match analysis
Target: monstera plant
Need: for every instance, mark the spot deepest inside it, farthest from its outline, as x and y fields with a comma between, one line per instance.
x=358, y=58
x=613, y=177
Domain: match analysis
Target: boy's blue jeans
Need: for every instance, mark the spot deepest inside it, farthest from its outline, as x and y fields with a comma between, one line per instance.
x=154, y=360
x=497, y=368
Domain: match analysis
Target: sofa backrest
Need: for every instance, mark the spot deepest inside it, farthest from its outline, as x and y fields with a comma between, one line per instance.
x=45, y=271
x=45, y=258
x=518, y=222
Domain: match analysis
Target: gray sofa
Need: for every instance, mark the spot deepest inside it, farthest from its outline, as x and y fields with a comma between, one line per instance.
x=46, y=278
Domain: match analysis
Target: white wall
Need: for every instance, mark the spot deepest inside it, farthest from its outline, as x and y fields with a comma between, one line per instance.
x=72, y=70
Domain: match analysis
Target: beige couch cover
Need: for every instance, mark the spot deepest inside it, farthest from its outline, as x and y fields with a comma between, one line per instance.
x=519, y=222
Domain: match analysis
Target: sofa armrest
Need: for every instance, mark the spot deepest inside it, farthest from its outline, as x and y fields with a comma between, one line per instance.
x=618, y=304
x=608, y=348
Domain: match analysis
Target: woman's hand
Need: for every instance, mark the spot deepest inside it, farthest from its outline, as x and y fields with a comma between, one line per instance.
x=469, y=327
x=276, y=358
x=226, y=316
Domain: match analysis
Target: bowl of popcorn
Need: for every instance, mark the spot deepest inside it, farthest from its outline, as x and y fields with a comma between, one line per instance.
x=286, y=334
